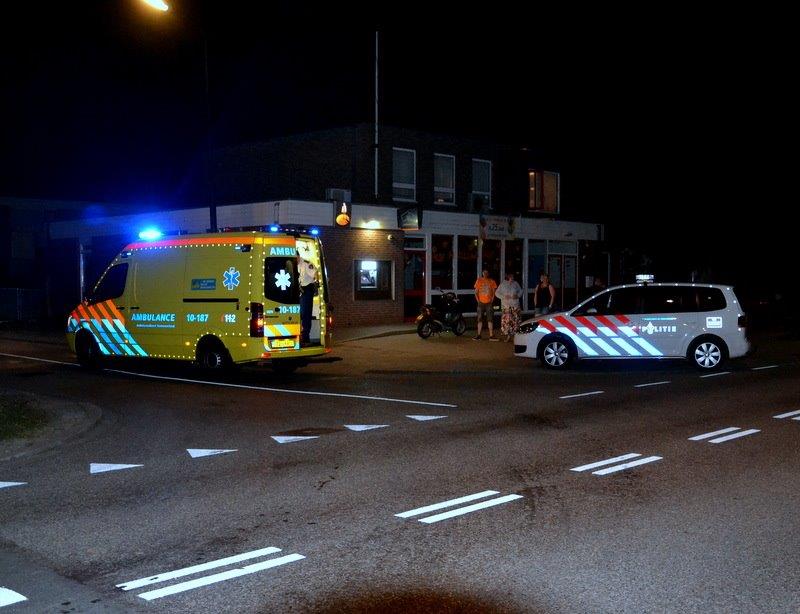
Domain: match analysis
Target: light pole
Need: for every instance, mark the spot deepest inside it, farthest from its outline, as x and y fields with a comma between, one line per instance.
x=161, y=5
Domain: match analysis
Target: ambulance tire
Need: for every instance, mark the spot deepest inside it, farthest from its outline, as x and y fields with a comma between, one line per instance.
x=286, y=366
x=212, y=355
x=707, y=353
x=557, y=352
x=88, y=351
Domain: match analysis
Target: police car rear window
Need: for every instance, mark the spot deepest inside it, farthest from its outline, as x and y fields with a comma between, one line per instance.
x=711, y=299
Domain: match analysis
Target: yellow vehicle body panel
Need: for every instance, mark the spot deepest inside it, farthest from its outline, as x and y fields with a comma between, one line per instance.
x=180, y=290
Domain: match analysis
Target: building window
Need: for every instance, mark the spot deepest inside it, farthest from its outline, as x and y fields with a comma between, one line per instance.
x=467, y=262
x=544, y=191
x=404, y=175
x=373, y=279
x=442, y=262
x=481, y=185
x=491, y=258
x=444, y=179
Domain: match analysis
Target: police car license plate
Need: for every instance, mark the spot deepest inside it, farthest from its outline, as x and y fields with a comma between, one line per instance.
x=282, y=343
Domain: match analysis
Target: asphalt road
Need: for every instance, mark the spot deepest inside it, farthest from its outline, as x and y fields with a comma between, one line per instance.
x=700, y=525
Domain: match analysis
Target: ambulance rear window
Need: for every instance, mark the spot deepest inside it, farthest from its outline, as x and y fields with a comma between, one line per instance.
x=280, y=280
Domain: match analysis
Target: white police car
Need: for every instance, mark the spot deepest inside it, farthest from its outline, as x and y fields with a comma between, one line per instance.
x=702, y=323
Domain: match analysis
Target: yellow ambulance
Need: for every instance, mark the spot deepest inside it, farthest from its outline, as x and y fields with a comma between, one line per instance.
x=217, y=299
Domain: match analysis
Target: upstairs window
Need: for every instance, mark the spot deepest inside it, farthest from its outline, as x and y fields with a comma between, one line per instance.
x=481, y=184
x=444, y=179
x=404, y=175
x=544, y=191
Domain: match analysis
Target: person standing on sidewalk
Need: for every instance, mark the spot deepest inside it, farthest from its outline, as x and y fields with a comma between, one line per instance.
x=485, y=288
x=544, y=297
x=509, y=293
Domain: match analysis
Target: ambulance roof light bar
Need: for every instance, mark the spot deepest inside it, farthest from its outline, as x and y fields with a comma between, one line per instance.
x=645, y=279
x=150, y=234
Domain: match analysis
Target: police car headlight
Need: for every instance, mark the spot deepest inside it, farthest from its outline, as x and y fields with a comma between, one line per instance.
x=528, y=327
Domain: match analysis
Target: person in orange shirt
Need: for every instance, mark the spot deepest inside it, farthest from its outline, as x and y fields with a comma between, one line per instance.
x=485, y=288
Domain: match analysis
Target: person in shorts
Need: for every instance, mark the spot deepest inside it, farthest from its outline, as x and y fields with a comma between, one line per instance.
x=485, y=287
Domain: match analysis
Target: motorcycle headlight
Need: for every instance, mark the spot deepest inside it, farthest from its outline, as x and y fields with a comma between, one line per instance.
x=528, y=327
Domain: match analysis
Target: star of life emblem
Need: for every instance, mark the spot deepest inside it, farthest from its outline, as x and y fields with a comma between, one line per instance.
x=230, y=278
x=283, y=280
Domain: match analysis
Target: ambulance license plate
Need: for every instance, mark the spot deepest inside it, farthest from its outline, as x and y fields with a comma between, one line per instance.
x=282, y=343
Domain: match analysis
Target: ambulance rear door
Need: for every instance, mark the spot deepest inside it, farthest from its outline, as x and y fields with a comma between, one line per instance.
x=281, y=298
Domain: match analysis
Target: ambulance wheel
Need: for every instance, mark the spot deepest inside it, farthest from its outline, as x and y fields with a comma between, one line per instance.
x=286, y=366
x=461, y=327
x=87, y=350
x=557, y=352
x=212, y=355
x=707, y=353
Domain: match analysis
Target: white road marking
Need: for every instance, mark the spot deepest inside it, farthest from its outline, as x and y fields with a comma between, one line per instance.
x=364, y=427
x=281, y=390
x=187, y=571
x=609, y=461
x=282, y=439
x=652, y=384
x=736, y=435
x=10, y=484
x=424, y=418
x=220, y=577
x=716, y=374
x=584, y=394
x=787, y=414
x=450, y=503
x=470, y=508
x=55, y=362
x=730, y=429
x=9, y=597
x=765, y=367
x=197, y=453
x=103, y=467
x=636, y=463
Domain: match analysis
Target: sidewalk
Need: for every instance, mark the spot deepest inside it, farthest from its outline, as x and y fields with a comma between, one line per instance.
x=354, y=333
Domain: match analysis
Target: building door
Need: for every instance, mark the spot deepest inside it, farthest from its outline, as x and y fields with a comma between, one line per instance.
x=563, y=271
x=414, y=284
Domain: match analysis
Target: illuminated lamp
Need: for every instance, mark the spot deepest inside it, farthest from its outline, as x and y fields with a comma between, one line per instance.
x=159, y=5
x=343, y=218
x=150, y=234
x=372, y=224
x=314, y=232
x=274, y=228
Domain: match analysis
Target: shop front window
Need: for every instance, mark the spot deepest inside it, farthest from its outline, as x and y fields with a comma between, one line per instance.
x=514, y=259
x=491, y=258
x=442, y=261
x=467, y=262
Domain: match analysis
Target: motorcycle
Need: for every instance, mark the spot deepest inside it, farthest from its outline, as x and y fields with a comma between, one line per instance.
x=448, y=318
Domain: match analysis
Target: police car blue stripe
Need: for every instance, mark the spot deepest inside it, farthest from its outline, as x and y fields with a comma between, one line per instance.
x=587, y=349
x=640, y=342
x=598, y=341
x=632, y=351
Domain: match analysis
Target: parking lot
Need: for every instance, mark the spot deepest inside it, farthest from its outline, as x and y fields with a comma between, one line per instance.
x=445, y=473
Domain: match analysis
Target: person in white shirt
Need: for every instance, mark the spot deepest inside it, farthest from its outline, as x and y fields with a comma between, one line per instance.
x=509, y=292
x=308, y=280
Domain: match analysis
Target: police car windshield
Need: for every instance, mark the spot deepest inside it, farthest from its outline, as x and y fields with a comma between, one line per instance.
x=280, y=280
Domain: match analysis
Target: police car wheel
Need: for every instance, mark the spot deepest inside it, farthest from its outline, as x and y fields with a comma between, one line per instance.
x=707, y=354
x=556, y=354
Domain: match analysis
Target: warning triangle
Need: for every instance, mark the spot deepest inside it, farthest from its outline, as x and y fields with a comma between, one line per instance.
x=197, y=453
x=423, y=418
x=364, y=427
x=10, y=484
x=103, y=467
x=294, y=438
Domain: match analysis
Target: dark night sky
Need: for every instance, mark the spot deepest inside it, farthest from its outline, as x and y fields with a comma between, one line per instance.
x=666, y=126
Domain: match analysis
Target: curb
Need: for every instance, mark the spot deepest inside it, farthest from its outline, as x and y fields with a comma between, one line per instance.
x=391, y=333
x=92, y=414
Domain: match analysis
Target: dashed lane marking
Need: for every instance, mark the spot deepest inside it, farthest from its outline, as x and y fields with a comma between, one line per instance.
x=735, y=436
x=788, y=414
x=652, y=384
x=730, y=429
x=765, y=367
x=732, y=432
x=425, y=418
x=715, y=374
x=182, y=587
x=617, y=459
x=55, y=362
x=364, y=427
x=583, y=394
x=460, y=511
x=10, y=484
x=293, y=438
x=9, y=597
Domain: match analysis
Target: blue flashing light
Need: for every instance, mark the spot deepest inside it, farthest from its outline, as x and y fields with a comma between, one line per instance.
x=150, y=234
x=315, y=231
x=274, y=228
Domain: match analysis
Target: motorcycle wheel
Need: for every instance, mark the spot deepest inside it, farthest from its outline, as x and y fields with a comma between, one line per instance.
x=424, y=329
x=461, y=327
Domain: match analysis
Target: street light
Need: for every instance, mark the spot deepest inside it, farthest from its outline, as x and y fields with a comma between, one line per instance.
x=159, y=5
x=162, y=6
